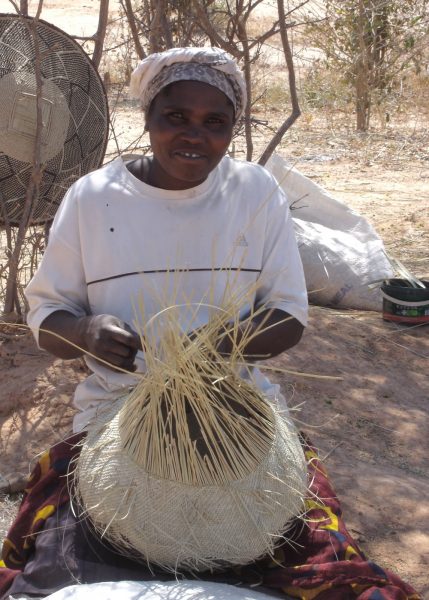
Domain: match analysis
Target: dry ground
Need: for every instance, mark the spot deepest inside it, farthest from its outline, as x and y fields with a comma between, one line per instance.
x=371, y=426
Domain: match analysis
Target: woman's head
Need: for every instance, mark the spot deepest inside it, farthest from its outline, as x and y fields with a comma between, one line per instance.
x=207, y=65
x=190, y=126
x=191, y=97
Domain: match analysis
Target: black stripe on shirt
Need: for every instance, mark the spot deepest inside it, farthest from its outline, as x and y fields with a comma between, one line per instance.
x=151, y=272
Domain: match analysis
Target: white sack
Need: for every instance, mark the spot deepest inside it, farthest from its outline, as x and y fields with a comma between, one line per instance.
x=155, y=590
x=340, y=250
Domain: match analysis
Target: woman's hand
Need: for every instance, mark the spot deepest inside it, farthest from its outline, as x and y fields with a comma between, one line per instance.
x=104, y=336
x=110, y=339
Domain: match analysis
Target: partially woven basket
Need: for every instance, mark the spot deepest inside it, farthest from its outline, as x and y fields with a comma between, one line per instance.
x=195, y=469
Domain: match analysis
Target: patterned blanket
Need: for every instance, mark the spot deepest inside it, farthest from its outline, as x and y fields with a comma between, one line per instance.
x=323, y=563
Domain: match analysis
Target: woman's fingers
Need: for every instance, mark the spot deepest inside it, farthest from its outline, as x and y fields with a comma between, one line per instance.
x=125, y=340
x=123, y=362
x=137, y=343
x=113, y=341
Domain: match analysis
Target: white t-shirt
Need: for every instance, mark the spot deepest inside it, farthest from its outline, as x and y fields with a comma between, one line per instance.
x=117, y=242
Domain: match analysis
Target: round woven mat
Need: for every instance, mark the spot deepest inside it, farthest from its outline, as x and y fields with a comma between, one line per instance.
x=74, y=113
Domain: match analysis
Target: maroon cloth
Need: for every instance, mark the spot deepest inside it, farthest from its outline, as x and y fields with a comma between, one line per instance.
x=47, y=547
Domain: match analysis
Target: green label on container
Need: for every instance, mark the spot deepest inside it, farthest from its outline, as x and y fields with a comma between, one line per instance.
x=405, y=311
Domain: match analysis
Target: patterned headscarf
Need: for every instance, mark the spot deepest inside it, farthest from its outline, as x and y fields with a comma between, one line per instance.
x=208, y=65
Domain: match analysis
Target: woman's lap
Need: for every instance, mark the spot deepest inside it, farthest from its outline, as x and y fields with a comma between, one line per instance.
x=48, y=547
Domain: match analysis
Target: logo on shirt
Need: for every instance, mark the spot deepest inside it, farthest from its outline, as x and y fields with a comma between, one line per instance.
x=241, y=241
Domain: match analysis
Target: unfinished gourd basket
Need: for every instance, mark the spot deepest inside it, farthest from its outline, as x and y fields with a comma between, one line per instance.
x=194, y=469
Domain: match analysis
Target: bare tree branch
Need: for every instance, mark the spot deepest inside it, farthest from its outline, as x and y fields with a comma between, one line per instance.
x=129, y=13
x=296, y=111
x=265, y=36
x=248, y=78
x=18, y=10
x=216, y=39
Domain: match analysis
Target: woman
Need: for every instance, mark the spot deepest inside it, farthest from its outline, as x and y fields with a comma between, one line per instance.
x=187, y=217
x=185, y=226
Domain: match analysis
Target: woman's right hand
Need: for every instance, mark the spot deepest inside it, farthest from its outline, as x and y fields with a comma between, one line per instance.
x=112, y=340
x=104, y=336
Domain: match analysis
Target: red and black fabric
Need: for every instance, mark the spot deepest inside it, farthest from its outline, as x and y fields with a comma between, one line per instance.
x=49, y=547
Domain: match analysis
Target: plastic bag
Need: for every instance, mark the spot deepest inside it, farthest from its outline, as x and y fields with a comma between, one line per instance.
x=157, y=590
x=341, y=252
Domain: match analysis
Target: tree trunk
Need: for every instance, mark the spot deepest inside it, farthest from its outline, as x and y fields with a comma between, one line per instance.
x=363, y=101
x=362, y=73
x=242, y=34
x=128, y=9
x=158, y=9
x=101, y=32
x=381, y=36
x=10, y=300
x=296, y=111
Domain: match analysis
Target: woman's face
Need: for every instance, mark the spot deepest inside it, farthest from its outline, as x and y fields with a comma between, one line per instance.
x=190, y=128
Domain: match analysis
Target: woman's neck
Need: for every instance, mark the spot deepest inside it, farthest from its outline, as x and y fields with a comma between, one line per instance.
x=140, y=168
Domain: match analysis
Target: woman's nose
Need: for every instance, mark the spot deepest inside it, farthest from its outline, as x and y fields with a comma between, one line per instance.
x=192, y=133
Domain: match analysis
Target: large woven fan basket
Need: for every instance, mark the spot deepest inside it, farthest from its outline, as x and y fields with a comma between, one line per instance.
x=75, y=119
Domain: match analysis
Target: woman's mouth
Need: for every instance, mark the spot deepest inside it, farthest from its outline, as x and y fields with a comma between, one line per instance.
x=188, y=155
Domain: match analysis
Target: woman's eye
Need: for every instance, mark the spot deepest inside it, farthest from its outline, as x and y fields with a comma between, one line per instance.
x=176, y=115
x=215, y=121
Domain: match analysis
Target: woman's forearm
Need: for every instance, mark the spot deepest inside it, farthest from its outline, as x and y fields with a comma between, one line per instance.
x=60, y=328
x=102, y=336
x=268, y=334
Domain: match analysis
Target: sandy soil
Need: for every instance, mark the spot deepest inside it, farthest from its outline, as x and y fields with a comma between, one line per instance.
x=372, y=425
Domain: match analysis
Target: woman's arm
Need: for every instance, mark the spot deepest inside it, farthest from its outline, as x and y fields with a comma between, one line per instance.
x=104, y=336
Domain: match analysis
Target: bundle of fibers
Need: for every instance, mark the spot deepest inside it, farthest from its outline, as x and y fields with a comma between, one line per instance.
x=194, y=469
